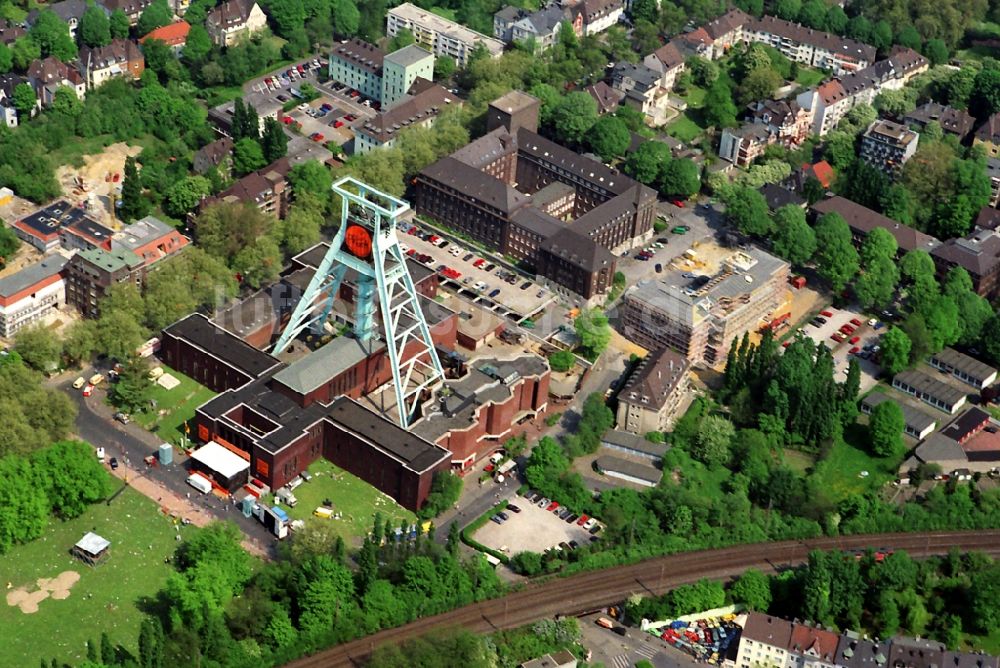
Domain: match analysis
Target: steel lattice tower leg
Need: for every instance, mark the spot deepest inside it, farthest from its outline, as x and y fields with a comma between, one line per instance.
x=367, y=243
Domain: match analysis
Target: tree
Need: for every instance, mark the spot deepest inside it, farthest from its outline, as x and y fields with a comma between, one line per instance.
x=985, y=98
x=184, y=196
x=119, y=334
x=6, y=59
x=315, y=538
x=562, y=360
x=759, y=84
x=402, y=39
x=648, y=161
x=154, y=16
x=878, y=244
x=593, y=330
x=444, y=67
x=816, y=588
x=712, y=445
x=836, y=259
x=260, y=262
x=132, y=204
x=94, y=28
x=71, y=477
x=895, y=351
x=108, y=655
x=877, y=283
x=24, y=99
x=793, y=239
x=885, y=429
x=681, y=178
x=119, y=24
x=936, y=51
x=747, y=210
x=608, y=137
x=51, y=34
x=274, y=141
x=752, y=589
x=39, y=347
x=302, y=227
x=446, y=487
x=575, y=114
x=719, y=110
x=248, y=156
x=198, y=44
x=312, y=177
x=132, y=391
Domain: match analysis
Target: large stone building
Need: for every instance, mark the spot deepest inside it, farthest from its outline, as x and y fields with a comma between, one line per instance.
x=701, y=316
x=653, y=393
x=979, y=254
x=439, y=35
x=473, y=190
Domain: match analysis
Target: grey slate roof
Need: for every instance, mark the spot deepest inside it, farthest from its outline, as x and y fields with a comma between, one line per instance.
x=624, y=439
x=470, y=181
x=31, y=274
x=310, y=372
x=914, y=418
x=645, y=472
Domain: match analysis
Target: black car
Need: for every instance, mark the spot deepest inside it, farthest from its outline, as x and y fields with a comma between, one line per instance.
x=489, y=267
x=468, y=257
x=821, y=320
x=525, y=285
x=572, y=518
x=564, y=546
x=114, y=463
x=658, y=267
x=573, y=544
x=512, y=508
x=504, y=516
x=663, y=240
x=594, y=529
x=495, y=292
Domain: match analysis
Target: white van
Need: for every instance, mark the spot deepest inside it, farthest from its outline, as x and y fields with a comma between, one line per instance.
x=200, y=483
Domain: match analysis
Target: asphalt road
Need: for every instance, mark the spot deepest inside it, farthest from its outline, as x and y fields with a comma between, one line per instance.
x=95, y=425
x=587, y=592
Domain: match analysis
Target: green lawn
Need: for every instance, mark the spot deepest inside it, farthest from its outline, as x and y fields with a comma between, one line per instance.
x=356, y=500
x=72, y=152
x=798, y=461
x=989, y=644
x=106, y=598
x=809, y=77
x=838, y=476
x=684, y=128
x=176, y=406
x=695, y=97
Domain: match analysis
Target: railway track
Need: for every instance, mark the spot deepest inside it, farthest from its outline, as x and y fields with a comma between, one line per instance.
x=595, y=589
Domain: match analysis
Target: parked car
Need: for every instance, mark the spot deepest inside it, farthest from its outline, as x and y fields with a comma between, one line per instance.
x=504, y=516
x=114, y=463
x=552, y=506
x=100, y=454
x=494, y=293
x=88, y=390
x=658, y=267
x=856, y=322
x=540, y=293
x=489, y=267
x=828, y=314
x=680, y=229
x=678, y=203
x=544, y=502
x=122, y=417
x=512, y=508
x=496, y=518
x=525, y=285
x=582, y=520
x=468, y=257
x=79, y=382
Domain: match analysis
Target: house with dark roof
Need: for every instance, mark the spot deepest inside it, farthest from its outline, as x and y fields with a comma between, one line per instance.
x=643, y=89
x=953, y=121
x=778, y=196
x=810, y=47
x=967, y=369
x=916, y=423
x=988, y=136
x=234, y=20
x=420, y=107
x=217, y=154
x=357, y=64
x=133, y=9
x=49, y=74
x=668, y=61
x=863, y=220
x=979, y=254
x=930, y=390
x=512, y=24
x=653, y=392
x=10, y=32
x=607, y=98
x=69, y=11
x=267, y=189
x=599, y=15
x=8, y=112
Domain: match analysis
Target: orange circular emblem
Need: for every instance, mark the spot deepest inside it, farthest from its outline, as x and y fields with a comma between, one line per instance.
x=358, y=241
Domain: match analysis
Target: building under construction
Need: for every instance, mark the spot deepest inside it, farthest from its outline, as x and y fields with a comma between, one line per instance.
x=729, y=294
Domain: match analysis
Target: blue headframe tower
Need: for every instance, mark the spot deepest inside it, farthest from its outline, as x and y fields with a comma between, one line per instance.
x=367, y=243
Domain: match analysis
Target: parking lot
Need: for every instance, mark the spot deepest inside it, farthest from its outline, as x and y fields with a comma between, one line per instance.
x=534, y=529
x=484, y=284
x=863, y=338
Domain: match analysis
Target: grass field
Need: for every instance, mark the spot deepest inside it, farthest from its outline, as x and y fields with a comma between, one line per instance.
x=106, y=598
x=839, y=475
x=356, y=500
x=684, y=128
x=798, y=461
x=695, y=97
x=177, y=406
x=989, y=644
x=809, y=77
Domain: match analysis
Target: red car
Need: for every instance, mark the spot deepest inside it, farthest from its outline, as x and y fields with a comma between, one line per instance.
x=678, y=203
x=856, y=322
x=786, y=344
x=350, y=117
x=89, y=390
x=338, y=124
x=552, y=506
x=855, y=339
x=838, y=337
x=300, y=69
x=411, y=252
x=827, y=314
x=582, y=520
x=847, y=329
x=287, y=120
x=479, y=263
x=854, y=351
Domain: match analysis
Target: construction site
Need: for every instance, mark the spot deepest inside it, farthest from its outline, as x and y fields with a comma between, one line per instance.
x=96, y=185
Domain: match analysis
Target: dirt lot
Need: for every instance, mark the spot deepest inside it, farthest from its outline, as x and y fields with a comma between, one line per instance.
x=94, y=182
x=533, y=529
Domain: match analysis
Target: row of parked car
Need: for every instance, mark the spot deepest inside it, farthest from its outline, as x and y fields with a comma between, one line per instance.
x=293, y=73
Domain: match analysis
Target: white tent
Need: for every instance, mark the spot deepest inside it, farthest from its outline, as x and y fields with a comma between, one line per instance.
x=217, y=458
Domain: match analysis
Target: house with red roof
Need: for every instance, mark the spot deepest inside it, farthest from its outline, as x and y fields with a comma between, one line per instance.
x=174, y=35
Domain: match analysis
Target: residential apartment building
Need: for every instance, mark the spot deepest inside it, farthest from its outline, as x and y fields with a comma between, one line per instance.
x=133, y=9
x=814, y=48
x=863, y=220
x=742, y=145
x=768, y=122
x=599, y=15
x=43, y=228
x=988, y=136
x=420, y=108
x=70, y=11
x=150, y=239
x=643, y=90
x=701, y=316
x=979, y=254
x=8, y=112
x=122, y=57
x=233, y=20
x=887, y=146
x=439, y=35
x=84, y=233
x=473, y=190
x=653, y=392
x=607, y=98
x=267, y=189
x=217, y=155
x=90, y=274
x=401, y=69
x=953, y=121
x=513, y=24
x=49, y=74
x=668, y=61
x=31, y=294
x=358, y=65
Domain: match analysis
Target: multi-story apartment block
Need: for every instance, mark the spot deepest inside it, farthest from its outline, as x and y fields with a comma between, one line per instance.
x=953, y=121
x=49, y=74
x=979, y=254
x=644, y=90
x=668, y=61
x=90, y=274
x=149, y=238
x=768, y=122
x=887, y=146
x=133, y=9
x=31, y=294
x=815, y=48
x=513, y=24
x=401, y=69
x=742, y=145
x=122, y=57
x=488, y=190
x=439, y=35
x=233, y=20
x=701, y=316
x=267, y=189
x=358, y=64
x=599, y=15
x=653, y=392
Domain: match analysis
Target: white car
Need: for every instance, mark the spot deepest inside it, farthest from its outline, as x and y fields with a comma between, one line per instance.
x=480, y=285
x=303, y=106
x=100, y=454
